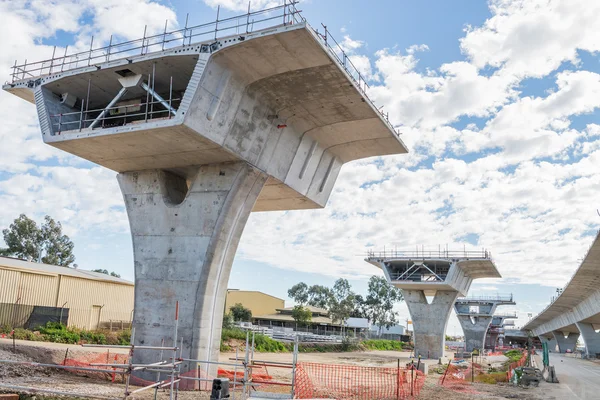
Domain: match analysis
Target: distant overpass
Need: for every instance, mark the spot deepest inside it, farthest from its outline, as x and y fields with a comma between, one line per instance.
x=576, y=311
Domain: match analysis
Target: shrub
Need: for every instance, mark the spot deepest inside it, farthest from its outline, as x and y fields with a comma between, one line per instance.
x=382, y=344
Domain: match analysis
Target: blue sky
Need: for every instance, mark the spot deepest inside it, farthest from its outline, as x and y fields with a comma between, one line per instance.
x=498, y=102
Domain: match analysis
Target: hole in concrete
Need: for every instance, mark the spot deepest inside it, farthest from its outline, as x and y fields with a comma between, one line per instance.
x=174, y=188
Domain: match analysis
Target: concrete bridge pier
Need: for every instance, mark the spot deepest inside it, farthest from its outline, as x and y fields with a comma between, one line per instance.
x=568, y=342
x=429, y=320
x=474, y=328
x=185, y=233
x=551, y=342
x=591, y=339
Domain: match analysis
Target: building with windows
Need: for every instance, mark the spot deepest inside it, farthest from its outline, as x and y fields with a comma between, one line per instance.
x=32, y=294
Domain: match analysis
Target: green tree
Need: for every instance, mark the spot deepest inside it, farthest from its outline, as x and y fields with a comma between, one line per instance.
x=299, y=293
x=103, y=271
x=341, y=301
x=227, y=321
x=359, y=307
x=380, y=301
x=319, y=296
x=301, y=315
x=240, y=313
x=47, y=244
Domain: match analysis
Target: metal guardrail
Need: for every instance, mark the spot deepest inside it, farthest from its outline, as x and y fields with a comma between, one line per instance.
x=246, y=23
x=498, y=297
x=442, y=253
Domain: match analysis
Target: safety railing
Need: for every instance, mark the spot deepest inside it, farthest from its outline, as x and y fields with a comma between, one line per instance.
x=418, y=253
x=241, y=24
x=79, y=120
x=506, y=315
x=496, y=297
x=282, y=15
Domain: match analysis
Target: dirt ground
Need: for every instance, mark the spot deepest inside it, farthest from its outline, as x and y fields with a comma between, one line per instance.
x=50, y=379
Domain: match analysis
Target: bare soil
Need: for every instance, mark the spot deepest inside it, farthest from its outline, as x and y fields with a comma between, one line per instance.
x=47, y=378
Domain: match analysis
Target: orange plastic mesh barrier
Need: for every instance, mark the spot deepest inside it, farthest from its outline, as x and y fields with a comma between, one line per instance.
x=348, y=382
x=458, y=377
x=98, y=358
x=516, y=364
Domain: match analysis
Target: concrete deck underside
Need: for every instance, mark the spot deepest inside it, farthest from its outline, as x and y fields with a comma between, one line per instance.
x=579, y=301
x=289, y=75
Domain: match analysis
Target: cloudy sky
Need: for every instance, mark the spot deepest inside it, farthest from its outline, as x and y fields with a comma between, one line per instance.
x=497, y=102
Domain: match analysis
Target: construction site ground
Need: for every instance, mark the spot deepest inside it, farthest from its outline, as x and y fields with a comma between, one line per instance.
x=47, y=378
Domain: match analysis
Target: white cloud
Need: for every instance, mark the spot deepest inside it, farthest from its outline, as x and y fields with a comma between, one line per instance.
x=532, y=38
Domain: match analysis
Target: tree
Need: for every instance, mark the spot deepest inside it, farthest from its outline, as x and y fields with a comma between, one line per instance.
x=315, y=295
x=47, y=244
x=341, y=301
x=240, y=313
x=299, y=293
x=359, y=307
x=301, y=315
x=103, y=271
x=380, y=300
x=319, y=296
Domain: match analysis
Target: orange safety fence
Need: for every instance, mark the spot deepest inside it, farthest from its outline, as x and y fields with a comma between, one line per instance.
x=457, y=377
x=349, y=382
x=516, y=364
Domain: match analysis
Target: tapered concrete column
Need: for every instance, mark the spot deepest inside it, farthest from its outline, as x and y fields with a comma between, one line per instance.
x=565, y=343
x=491, y=340
x=591, y=339
x=429, y=320
x=551, y=343
x=474, y=328
x=185, y=233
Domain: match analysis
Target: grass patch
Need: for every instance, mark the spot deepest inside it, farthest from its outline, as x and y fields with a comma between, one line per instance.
x=492, y=378
x=57, y=333
x=513, y=355
x=381, y=344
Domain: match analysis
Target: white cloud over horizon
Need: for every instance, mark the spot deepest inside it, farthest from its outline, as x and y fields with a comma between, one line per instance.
x=521, y=178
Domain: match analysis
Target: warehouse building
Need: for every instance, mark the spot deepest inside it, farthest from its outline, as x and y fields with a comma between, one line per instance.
x=258, y=303
x=34, y=293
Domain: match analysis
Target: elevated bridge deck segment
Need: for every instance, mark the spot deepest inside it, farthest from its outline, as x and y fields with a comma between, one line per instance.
x=576, y=311
x=475, y=315
x=443, y=275
x=202, y=131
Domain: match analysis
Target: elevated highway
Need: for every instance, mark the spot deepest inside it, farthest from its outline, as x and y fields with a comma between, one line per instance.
x=576, y=311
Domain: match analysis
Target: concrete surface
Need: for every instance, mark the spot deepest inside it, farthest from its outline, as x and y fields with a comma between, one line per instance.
x=263, y=121
x=551, y=341
x=475, y=316
x=184, y=242
x=429, y=320
x=591, y=339
x=444, y=278
x=566, y=341
x=579, y=301
x=580, y=378
x=474, y=329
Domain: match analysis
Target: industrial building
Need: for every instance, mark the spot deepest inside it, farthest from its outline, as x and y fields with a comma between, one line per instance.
x=84, y=299
x=258, y=303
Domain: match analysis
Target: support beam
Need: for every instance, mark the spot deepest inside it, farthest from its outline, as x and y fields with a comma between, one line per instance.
x=429, y=320
x=474, y=328
x=159, y=98
x=565, y=343
x=591, y=339
x=108, y=107
x=185, y=233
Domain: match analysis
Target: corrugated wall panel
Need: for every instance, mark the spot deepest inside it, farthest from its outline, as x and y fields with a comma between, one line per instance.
x=82, y=294
x=37, y=290
x=9, y=281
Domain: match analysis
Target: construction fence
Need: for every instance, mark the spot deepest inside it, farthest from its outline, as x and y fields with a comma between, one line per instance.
x=356, y=382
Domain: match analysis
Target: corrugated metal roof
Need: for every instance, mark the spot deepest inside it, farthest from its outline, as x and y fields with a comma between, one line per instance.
x=45, y=269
